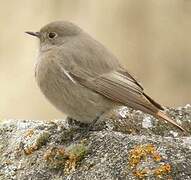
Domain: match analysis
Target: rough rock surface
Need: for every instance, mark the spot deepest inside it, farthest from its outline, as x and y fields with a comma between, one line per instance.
x=125, y=144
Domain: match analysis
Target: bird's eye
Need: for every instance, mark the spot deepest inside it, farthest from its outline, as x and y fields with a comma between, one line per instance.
x=52, y=35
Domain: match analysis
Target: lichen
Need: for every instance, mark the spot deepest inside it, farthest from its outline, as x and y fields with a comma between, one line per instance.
x=65, y=158
x=146, y=153
x=153, y=153
x=40, y=141
x=55, y=157
x=162, y=170
x=29, y=133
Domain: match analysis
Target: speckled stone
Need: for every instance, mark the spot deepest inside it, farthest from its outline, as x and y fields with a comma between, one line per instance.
x=124, y=144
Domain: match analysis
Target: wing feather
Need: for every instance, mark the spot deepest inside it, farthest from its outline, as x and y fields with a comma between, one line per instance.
x=118, y=86
x=121, y=87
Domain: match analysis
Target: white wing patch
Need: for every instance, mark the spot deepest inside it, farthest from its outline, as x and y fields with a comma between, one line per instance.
x=69, y=77
x=66, y=73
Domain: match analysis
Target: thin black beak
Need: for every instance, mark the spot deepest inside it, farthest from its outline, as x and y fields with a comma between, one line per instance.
x=37, y=34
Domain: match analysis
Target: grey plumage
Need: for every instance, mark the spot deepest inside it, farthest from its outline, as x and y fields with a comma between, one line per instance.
x=83, y=79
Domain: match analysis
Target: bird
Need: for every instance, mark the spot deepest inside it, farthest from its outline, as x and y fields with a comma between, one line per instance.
x=83, y=79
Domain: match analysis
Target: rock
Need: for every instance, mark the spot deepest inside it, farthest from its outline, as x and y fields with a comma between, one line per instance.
x=124, y=144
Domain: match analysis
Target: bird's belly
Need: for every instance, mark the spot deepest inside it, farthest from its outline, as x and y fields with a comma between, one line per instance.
x=74, y=100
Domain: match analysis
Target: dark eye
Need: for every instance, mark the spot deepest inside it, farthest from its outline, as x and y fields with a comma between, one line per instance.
x=52, y=35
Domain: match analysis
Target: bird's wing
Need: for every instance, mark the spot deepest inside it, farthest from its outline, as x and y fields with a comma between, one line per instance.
x=118, y=86
x=121, y=87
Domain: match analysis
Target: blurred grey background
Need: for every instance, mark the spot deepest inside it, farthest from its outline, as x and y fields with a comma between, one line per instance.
x=152, y=38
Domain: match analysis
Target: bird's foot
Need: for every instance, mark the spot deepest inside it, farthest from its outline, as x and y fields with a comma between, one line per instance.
x=82, y=128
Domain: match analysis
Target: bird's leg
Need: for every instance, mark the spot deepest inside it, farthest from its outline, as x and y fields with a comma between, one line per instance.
x=92, y=124
x=83, y=128
x=75, y=123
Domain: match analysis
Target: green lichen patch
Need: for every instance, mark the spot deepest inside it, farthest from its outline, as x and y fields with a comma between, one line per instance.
x=65, y=159
x=32, y=144
x=42, y=139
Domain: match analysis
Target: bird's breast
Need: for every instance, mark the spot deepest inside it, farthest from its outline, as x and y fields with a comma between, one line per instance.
x=68, y=96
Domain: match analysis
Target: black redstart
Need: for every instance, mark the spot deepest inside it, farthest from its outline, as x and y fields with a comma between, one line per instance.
x=83, y=79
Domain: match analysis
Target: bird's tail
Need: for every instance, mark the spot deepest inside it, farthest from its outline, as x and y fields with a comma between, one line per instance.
x=163, y=116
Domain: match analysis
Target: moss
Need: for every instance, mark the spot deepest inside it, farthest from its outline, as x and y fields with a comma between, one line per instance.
x=65, y=158
x=42, y=139
x=75, y=154
x=56, y=157
x=78, y=150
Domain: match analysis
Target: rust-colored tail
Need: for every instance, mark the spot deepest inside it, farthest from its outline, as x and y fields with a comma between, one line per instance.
x=163, y=116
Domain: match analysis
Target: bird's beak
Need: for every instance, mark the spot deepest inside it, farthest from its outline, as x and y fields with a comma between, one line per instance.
x=37, y=34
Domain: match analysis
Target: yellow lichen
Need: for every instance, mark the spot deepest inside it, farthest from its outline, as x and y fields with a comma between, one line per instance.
x=29, y=150
x=163, y=169
x=55, y=157
x=29, y=133
x=140, y=174
x=142, y=153
x=149, y=148
x=156, y=156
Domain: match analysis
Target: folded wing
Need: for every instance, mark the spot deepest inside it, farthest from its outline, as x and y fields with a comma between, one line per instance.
x=121, y=87
x=118, y=86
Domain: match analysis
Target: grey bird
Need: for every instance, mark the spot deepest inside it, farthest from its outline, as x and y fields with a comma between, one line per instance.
x=83, y=79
